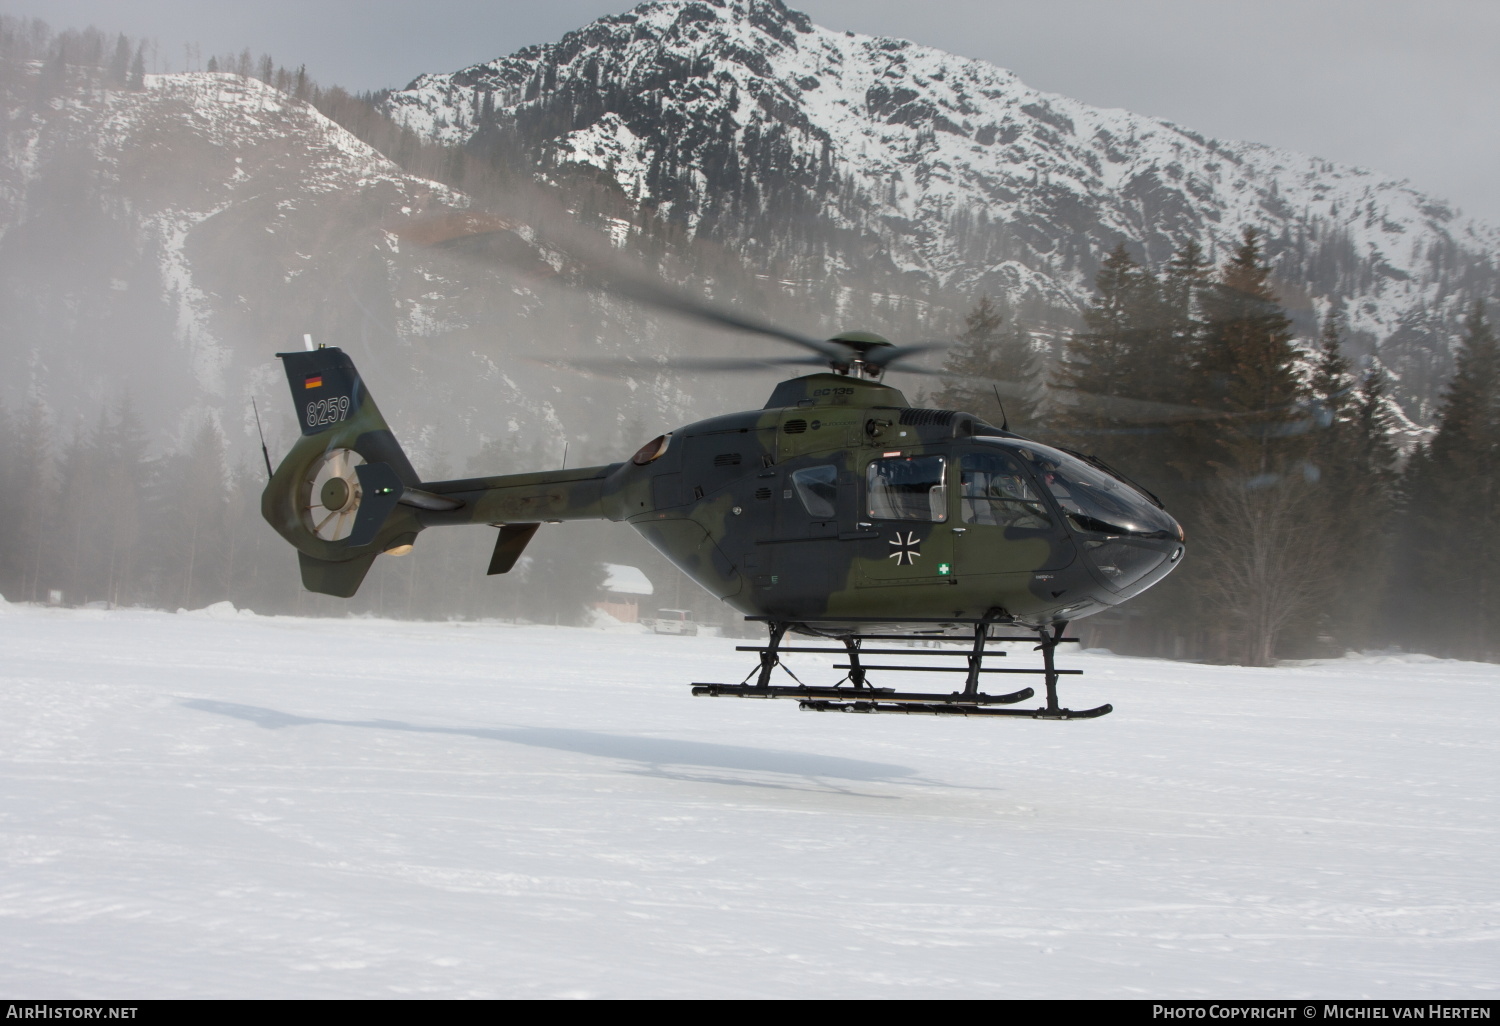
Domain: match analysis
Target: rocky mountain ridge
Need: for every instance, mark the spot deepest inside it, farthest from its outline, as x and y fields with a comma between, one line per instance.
x=831, y=156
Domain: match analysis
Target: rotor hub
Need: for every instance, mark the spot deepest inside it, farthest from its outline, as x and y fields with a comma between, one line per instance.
x=862, y=344
x=336, y=494
x=331, y=495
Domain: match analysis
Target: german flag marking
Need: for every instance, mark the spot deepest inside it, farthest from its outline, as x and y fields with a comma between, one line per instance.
x=313, y=381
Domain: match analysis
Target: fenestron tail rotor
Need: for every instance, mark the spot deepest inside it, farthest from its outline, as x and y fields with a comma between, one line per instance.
x=332, y=495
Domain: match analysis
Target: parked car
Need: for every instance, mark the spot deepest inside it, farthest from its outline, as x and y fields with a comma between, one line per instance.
x=674, y=621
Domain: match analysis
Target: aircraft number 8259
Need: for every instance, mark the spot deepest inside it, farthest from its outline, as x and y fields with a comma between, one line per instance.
x=327, y=411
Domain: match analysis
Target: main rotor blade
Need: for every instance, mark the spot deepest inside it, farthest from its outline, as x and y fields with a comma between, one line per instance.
x=1140, y=410
x=1148, y=411
x=624, y=366
x=1135, y=411
x=653, y=294
x=1151, y=411
x=930, y=372
x=491, y=239
x=884, y=357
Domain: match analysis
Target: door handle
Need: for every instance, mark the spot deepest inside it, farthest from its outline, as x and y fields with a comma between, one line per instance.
x=960, y=530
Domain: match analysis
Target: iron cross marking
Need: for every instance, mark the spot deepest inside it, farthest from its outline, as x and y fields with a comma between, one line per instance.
x=907, y=548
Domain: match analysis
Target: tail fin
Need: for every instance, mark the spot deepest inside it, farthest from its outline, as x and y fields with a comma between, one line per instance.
x=336, y=495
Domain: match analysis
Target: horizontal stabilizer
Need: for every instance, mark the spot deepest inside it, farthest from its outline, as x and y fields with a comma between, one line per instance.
x=509, y=546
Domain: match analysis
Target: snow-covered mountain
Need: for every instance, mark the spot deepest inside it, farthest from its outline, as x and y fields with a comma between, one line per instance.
x=164, y=242
x=830, y=154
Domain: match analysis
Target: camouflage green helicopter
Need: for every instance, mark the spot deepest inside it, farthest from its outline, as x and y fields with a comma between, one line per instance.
x=837, y=512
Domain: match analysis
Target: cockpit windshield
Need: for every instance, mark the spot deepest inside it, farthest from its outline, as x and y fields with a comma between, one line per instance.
x=1092, y=499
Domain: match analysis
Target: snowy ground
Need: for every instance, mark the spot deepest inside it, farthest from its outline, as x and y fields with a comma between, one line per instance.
x=231, y=805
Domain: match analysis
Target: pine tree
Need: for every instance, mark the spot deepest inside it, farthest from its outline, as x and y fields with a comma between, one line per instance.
x=1099, y=359
x=1181, y=449
x=1120, y=355
x=1453, y=507
x=1352, y=460
x=1374, y=455
x=993, y=370
x=1246, y=366
x=1265, y=545
x=137, y=78
x=1331, y=384
x=1188, y=274
x=119, y=66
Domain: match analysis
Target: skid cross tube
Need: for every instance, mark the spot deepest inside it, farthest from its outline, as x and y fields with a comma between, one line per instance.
x=923, y=653
x=993, y=639
x=959, y=669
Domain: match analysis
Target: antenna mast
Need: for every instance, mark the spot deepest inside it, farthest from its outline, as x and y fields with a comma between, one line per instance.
x=1004, y=420
x=263, y=450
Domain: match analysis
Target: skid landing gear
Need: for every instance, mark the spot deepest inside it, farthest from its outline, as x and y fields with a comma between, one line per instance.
x=855, y=694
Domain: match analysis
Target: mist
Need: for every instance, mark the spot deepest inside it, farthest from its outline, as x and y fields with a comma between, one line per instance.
x=164, y=236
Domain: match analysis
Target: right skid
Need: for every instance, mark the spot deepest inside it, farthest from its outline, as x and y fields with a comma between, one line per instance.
x=952, y=709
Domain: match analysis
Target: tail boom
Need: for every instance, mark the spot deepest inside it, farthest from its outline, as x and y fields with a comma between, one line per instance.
x=346, y=491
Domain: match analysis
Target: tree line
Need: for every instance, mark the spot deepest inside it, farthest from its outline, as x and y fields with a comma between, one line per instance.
x=1310, y=531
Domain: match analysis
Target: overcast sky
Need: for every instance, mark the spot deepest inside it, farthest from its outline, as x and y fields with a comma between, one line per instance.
x=1404, y=87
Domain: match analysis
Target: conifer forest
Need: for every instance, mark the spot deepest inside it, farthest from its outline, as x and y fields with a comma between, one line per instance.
x=1339, y=489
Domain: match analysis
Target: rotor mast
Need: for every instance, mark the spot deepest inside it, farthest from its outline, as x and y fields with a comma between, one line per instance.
x=863, y=360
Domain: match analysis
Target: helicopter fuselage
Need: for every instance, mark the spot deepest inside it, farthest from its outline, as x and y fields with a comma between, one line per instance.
x=837, y=503
x=839, y=500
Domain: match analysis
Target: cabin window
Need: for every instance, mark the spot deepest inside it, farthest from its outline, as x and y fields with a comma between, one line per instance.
x=1092, y=499
x=910, y=488
x=995, y=491
x=817, y=488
